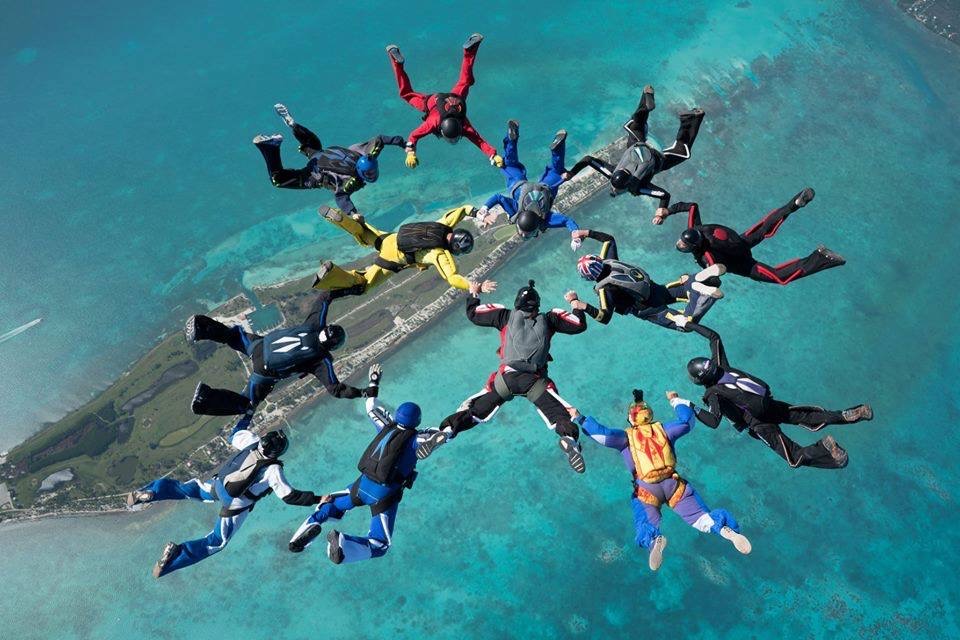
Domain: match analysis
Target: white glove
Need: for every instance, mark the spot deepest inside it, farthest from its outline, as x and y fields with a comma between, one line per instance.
x=376, y=371
x=575, y=243
x=678, y=400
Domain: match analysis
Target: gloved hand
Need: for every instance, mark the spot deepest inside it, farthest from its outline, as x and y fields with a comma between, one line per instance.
x=374, y=375
x=496, y=161
x=575, y=243
x=412, y=161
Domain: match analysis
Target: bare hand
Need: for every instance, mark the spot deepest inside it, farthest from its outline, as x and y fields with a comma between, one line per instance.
x=578, y=305
x=574, y=413
x=474, y=288
x=488, y=286
x=672, y=394
x=580, y=234
x=570, y=296
x=661, y=215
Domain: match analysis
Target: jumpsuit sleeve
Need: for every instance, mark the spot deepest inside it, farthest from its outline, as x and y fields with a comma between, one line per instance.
x=328, y=378
x=604, y=314
x=654, y=191
x=569, y=322
x=425, y=129
x=711, y=415
x=344, y=201
x=447, y=267
x=378, y=414
x=608, y=250
x=556, y=220
x=317, y=319
x=453, y=217
x=717, y=353
x=473, y=136
x=486, y=315
x=613, y=438
x=498, y=199
x=390, y=141
x=274, y=476
x=693, y=212
x=684, y=422
x=594, y=163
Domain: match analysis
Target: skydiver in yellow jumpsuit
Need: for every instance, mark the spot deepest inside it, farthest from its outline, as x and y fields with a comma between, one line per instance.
x=417, y=244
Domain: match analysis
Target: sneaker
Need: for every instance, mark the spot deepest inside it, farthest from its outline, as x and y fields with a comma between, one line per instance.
x=325, y=267
x=836, y=451
x=358, y=217
x=427, y=446
x=558, y=139
x=273, y=141
x=804, y=197
x=831, y=255
x=574, y=456
x=656, y=552
x=394, y=52
x=190, y=329
x=139, y=497
x=196, y=405
x=473, y=41
x=858, y=413
x=739, y=540
x=334, y=550
x=707, y=290
x=170, y=551
x=513, y=129
x=306, y=534
x=331, y=214
x=284, y=113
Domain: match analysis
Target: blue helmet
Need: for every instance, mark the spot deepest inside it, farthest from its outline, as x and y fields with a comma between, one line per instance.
x=408, y=415
x=368, y=168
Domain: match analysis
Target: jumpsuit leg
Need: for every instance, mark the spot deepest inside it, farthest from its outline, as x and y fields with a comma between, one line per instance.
x=686, y=135
x=307, y=139
x=170, y=489
x=553, y=409
x=416, y=100
x=327, y=512
x=809, y=417
x=363, y=233
x=553, y=172
x=698, y=515
x=377, y=542
x=791, y=270
x=511, y=155
x=224, y=402
x=637, y=125
x=814, y=455
x=768, y=226
x=646, y=523
x=194, y=551
x=480, y=408
x=465, y=81
x=697, y=305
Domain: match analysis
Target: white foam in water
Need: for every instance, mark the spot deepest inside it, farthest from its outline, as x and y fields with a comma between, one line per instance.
x=15, y=332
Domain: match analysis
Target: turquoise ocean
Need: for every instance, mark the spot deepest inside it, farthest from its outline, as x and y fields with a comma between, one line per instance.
x=132, y=198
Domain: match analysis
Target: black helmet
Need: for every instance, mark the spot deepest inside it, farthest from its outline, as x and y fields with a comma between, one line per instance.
x=332, y=337
x=620, y=178
x=527, y=299
x=702, y=371
x=689, y=240
x=528, y=224
x=274, y=444
x=461, y=242
x=451, y=129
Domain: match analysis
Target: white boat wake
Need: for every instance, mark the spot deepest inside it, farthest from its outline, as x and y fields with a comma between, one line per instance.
x=10, y=334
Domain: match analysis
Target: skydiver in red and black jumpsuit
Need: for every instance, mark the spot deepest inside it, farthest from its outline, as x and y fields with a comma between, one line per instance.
x=444, y=114
x=718, y=244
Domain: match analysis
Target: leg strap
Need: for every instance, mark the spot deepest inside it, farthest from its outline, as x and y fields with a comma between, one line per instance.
x=500, y=386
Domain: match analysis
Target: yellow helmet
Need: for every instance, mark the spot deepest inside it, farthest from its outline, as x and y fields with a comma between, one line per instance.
x=639, y=413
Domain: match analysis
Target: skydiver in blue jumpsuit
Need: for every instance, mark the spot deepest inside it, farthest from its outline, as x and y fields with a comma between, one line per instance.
x=294, y=351
x=387, y=469
x=529, y=204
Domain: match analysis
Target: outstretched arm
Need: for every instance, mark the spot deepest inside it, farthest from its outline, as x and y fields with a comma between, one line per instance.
x=569, y=322
x=473, y=136
x=594, y=163
x=608, y=250
x=453, y=217
x=328, y=378
x=275, y=478
x=613, y=438
x=378, y=414
x=693, y=212
x=604, y=314
x=685, y=418
x=654, y=191
x=711, y=415
x=486, y=315
x=717, y=353
x=556, y=220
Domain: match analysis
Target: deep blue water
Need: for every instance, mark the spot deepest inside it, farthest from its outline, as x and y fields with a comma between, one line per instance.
x=136, y=197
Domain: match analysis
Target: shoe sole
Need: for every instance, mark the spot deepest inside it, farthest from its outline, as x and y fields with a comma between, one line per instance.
x=713, y=271
x=656, y=553
x=428, y=447
x=190, y=329
x=706, y=290
x=574, y=456
x=807, y=201
x=473, y=41
x=394, y=52
x=558, y=139
x=740, y=541
x=305, y=538
x=331, y=537
x=331, y=214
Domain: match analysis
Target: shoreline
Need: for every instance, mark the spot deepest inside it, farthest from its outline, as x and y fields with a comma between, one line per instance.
x=298, y=396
